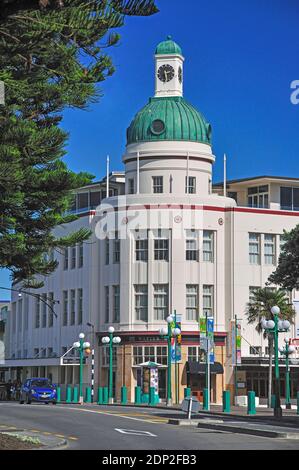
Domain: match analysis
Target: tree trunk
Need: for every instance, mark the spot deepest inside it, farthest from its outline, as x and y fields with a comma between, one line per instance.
x=270, y=343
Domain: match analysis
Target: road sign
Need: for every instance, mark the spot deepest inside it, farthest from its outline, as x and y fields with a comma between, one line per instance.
x=194, y=404
x=71, y=361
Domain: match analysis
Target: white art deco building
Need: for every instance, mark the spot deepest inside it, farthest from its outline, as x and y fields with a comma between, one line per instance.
x=165, y=240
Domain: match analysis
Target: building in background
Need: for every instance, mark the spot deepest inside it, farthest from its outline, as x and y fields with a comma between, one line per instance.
x=165, y=240
x=4, y=317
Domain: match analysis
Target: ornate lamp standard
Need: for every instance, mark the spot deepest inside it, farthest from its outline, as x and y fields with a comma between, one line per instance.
x=169, y=333
x=274, y=327
x=81, y=346
x=111, y=340
x=286, y=351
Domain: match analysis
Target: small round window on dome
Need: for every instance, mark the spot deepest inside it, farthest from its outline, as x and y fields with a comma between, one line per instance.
x=158, y=127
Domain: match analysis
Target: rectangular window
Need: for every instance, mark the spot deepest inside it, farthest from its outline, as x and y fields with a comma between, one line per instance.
x=255, y=350
x=35, y=352
x=116, y=249
x=95, y=199
x=208, y=246
x=131, y=188
x=37, y=311
x=137, y=355
x=73, y=307
x=20, y=308
x=160, y=301
x=141, y=250
x=50, y=352
x=66, y=259
x=81, y=252
x=289, y=198
x=141, y=302
x=192, y=353
x=191, y=245
x=208, y=300
x=26, y=313
x=80, y=306
x=107, y=245
x=65, y=307
x=258, y=196
x=116, y=304
x=161, y=249
x=269, y=249
x=149, y=354
x=157, y=184
x=50, y=310
x=44, y=310
x=192, y=307
x=82, y=201
x=190, y=185
x=107, y=307
x=254, y=248
x=161, y=355
x=14, y=317
x=73, y=257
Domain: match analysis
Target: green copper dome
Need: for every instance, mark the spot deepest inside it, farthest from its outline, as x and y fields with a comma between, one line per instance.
x=168, y=47
x=169, y=119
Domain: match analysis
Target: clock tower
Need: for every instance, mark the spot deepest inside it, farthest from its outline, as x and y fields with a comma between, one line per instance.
x=169, y=69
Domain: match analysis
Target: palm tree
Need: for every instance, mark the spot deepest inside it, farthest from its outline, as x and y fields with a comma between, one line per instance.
x=259, y=308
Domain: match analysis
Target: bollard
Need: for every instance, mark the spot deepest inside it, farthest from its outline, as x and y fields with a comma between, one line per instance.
x=206, y=404
x=187, y=392
x=124, y=395
x=58, y=394
x=251, y=404
x=87, y=395
x=137, y=395
x=68, y=394
x=75, y=395
x=273, y=400
x=226, y=401
x=105, y=395
x=100, y=395
x=297, y=403
x=152, y=400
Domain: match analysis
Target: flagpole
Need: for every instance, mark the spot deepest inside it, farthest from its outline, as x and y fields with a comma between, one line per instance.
x=224, y=179
x=107, y=176
x=138, y=172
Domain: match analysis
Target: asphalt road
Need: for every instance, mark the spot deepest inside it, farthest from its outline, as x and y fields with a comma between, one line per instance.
x=125, y=428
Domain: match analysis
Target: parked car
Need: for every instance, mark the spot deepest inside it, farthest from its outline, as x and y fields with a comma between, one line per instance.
x=38, y=389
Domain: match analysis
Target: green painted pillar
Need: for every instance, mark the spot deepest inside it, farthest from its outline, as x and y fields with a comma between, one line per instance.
x=273, y=399
x=206, y=399
x=137, y=395
x=75, y=395
x=251, y=404
x=124, y=395
x=152, y=400
x=187, y=392
x=87, y=395
x=105, y=395
x=297, y=403
x=58, y=394
x=100, y=395
x=68, y=394
x=226, y=401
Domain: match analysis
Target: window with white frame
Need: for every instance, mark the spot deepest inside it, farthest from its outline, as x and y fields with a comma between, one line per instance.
x=131, y=188
x=141, y=302
x=141, y=250
x=73, y=307
x=149, y=354
x=157, y=184
x=289, y=198
x=26, y=312
x=116, y=249
x=107, y=307
x=65, y=307
x=160, y=301
x=73, y=257
x=50, y=309
x=143, y=354
x=191, y=245
x=255, y=350
x=269, y=249
x=192, y=307
x=161, y=246
x=44, y=310
x=20, y=314
x=208, y=300
x=116, y=304
x=80, y=261
x=80, y=306
x=65, y=258
x=254, y=248
x=208, y=246
x=195, y=354
x=37, y=311
x=258, y=196
x=190, y=185
x=107, y=245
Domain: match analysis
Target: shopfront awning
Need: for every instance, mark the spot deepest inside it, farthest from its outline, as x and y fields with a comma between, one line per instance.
x=200, y=368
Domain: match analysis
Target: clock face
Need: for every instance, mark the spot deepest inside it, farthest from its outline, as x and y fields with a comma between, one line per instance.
x=165, y=73
x=180, y=74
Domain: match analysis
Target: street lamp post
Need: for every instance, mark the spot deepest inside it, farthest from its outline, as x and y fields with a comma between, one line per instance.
x=111, y=340
x=92, y=360
x=81, y=346
x=274, y=327
x=169, y=333
x=286, y=351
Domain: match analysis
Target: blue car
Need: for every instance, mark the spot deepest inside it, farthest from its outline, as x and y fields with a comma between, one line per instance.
x=38, y=389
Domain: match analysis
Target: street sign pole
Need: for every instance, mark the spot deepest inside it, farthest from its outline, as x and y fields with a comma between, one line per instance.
x=208, y=365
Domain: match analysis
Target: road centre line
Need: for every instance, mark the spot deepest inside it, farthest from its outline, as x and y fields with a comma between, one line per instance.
x=116, y=415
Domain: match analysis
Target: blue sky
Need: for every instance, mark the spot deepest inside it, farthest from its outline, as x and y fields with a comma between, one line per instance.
x=241, y=57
